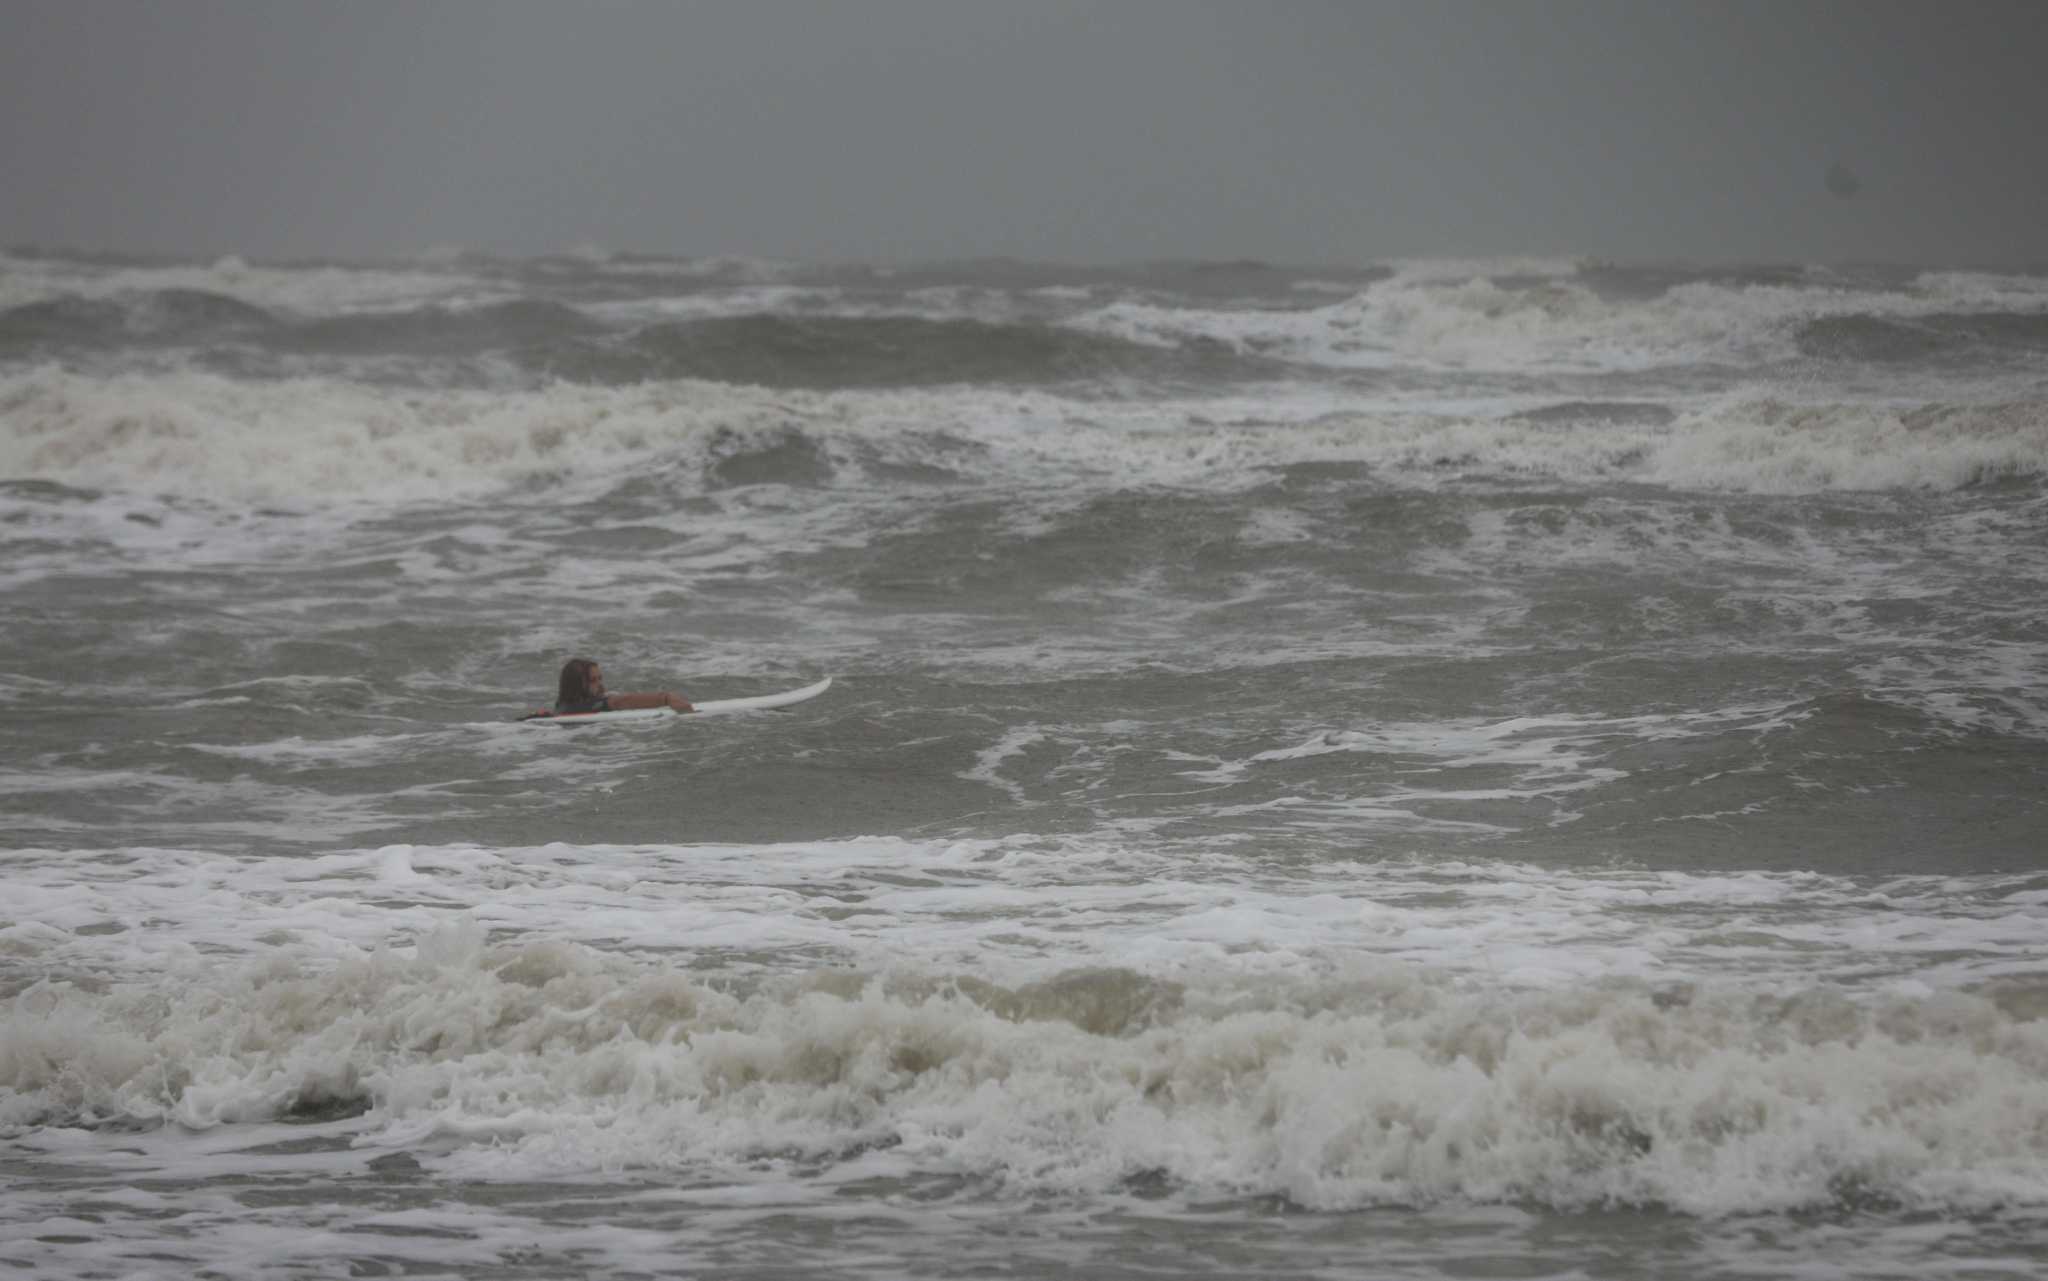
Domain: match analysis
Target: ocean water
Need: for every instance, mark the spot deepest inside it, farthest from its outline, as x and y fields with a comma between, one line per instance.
x=1436, y=769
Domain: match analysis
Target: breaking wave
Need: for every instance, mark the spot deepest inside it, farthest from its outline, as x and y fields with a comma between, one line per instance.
x=317, y=440
x=1390, y=1087
x=1595, y=317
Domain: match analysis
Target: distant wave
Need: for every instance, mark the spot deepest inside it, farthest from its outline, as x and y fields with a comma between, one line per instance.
x=320, y=440
x=437, y=330
x=175, y=314
x=825, y=352
x=555, y=340
x=1757, y=445
x=618, y=320
x=296, y=289
x=1883, y=340
x=187, y=316
x=1610, y=319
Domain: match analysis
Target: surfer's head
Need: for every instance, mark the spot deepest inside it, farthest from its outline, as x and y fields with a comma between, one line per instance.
x=582, y=680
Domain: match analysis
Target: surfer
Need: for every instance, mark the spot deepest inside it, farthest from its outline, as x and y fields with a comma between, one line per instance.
x=581, y=690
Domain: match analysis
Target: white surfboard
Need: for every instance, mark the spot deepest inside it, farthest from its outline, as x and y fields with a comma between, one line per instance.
x=710, y=707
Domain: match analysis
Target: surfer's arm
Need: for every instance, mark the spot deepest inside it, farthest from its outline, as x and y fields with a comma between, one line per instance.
x=660, y=698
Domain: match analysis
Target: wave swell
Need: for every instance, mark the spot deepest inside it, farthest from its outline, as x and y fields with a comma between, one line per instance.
x=824, y=352
x=163, y=315
x=1881, y=340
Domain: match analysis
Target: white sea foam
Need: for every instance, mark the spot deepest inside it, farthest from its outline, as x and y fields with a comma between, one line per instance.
x=297, y=752
x=1009, y=908
x=1337, y=1077
x=1457, y=316
x=322, y=442
x=1738, y=443
x=319, y=441
x=1770, y=446
x=1040, y=1015
x=989, y=761
x=749, y=300
x=2000, y=686
x=1985, y=290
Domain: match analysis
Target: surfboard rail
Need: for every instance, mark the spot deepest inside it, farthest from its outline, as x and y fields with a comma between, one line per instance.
x=710, y=707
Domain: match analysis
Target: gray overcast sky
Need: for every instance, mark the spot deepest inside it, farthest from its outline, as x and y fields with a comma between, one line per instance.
x=1052, y=129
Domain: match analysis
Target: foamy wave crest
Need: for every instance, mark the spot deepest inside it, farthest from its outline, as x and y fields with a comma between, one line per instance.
x=303, y=290
x=313, y=441
x=318, y=441
x=1772, y=447
x=1391, y=1086
x=1986, y=291
x=1759, y=446
x=1462, y=324
x=1541, y=316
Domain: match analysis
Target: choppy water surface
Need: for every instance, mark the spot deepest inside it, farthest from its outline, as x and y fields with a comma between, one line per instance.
x=1437, y=769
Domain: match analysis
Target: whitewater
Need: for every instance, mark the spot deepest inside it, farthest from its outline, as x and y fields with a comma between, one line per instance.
x=1438, y=768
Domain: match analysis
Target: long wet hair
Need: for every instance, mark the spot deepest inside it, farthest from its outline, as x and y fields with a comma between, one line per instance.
x=574, y=687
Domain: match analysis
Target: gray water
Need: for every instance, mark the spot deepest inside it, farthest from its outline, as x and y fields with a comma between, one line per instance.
x=1514, y=769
